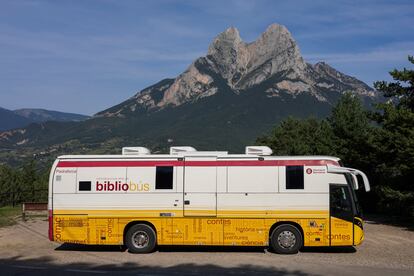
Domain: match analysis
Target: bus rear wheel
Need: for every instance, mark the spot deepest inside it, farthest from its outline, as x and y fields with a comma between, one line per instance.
x=140, y=238
x=286, y=239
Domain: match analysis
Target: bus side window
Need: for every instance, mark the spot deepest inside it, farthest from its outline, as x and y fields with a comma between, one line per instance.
x=164, y=178
x=85, y=185
x=294, y=177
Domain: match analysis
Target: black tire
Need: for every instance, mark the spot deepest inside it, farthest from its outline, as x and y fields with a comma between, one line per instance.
x=140, y=238
x=286, y=239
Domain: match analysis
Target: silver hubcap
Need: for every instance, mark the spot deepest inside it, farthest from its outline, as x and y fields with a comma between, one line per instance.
x=286, y=239
x=140, y=239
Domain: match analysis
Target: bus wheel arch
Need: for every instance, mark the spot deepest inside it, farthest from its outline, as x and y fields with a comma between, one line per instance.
x=282, y=228
x=140, y=237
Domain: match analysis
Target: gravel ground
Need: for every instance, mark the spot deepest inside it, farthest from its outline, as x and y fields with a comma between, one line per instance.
x=25, y=249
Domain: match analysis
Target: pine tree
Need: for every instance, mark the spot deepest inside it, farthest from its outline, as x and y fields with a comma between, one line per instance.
x=395, y=154
x=300, y=137
x=401, y=91
x=353, y=131
x=29, y=178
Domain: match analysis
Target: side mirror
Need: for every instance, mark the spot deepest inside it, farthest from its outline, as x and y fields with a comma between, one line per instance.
x=354, y=172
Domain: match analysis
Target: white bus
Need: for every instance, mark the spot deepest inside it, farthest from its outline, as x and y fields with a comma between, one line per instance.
x=191, y=197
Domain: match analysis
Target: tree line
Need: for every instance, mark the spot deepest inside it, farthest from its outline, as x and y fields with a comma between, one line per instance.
x=378, y=141
x=28, y=183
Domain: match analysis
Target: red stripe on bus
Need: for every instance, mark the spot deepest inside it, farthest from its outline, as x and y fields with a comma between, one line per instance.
x=254, y=163
x=74, y=164
x=239, y=163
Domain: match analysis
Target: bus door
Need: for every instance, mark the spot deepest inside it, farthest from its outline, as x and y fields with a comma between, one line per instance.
x=341, y=218
x=200, y=186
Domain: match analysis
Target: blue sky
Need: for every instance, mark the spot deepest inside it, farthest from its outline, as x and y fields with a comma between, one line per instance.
x=85, y=56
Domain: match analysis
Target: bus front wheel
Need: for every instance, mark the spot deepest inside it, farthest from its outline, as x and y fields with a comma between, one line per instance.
x=286, y=239
x=140, y=238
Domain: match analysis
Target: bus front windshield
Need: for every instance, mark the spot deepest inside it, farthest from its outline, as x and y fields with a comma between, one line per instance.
x=351, y=184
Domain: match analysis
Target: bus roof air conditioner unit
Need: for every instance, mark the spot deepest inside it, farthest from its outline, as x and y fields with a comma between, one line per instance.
x=258, y=150
x=178, y=150
x=135, y=151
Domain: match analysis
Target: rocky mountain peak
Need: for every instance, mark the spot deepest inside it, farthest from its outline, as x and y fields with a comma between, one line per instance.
x=246, y=64
x=225, y=41
x=274, y=58
x=277, y=50
x=228, y=53
x=273, y=34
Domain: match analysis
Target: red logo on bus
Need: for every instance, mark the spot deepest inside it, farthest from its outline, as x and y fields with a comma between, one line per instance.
x=308, y=170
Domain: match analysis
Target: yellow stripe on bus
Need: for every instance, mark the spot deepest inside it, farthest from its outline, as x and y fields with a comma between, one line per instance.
x=229, y=227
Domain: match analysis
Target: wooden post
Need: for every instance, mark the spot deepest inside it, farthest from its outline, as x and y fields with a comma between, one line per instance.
x=23, y=212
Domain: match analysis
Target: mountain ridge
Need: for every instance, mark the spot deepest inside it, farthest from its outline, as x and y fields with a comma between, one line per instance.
x=39, y=115
x=11, y=119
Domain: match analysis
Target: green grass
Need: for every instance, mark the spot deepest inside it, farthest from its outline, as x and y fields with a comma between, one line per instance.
x=8, y=213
